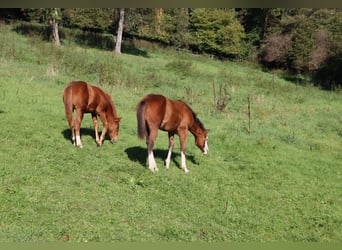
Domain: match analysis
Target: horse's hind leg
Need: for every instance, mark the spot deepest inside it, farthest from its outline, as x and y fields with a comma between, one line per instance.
x=151, y=162
x=79, y=117
x=150, y=142
x=69, y=116
x=72, y=129
x=73, y=136
x=96, y=127
x=171, y=144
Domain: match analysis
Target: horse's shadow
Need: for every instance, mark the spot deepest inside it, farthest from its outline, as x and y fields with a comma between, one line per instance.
x=139, y=154
x=136, y=153
x=83, y=132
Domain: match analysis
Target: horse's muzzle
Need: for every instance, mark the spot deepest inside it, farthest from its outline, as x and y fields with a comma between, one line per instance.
x=206, y=148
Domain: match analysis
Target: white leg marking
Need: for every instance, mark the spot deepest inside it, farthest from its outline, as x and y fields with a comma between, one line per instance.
x=152, y=163
x=78, y=141
x=183, y=163
x=168, y=158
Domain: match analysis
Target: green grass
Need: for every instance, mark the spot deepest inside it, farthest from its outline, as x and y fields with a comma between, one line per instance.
x=280, y=182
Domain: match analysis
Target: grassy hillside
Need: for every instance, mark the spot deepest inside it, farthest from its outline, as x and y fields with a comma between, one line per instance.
x=277, y=180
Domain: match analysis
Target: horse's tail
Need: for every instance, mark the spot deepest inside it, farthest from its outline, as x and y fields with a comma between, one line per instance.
x=67, y=99
x=141, y=120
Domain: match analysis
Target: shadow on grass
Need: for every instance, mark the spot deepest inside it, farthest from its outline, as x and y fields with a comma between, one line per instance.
x=84, y=132
x=129, y=48
x=139, y=154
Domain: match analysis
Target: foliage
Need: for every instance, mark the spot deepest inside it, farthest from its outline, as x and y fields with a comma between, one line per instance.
x=302, y=40
x=95, y=19
x=142, y=22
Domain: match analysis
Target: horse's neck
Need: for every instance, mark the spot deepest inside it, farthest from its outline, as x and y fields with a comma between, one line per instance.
x=110, y=115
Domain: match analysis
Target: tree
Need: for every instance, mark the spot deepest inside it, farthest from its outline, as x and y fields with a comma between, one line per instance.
x=307, y=41
x=174, y=27
x=258, y=22
x=328, y=51
x=120, y=31
x=276, y=48
x=54, y=18
x=51, y=16
x=169, y=26
x=143, y=22
x=89, y=19
x=216, y=31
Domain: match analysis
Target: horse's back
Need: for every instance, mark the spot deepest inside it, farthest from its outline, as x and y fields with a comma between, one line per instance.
x=154, y=107
x=166, y=113
x=77, y=93
x=76, y=89
x=153, y=99
x=76, y=86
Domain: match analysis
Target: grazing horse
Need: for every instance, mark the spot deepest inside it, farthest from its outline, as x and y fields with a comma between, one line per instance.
x=176, y=117
x=86, y=98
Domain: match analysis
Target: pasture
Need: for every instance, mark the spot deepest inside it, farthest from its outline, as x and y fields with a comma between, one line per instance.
x=272, y=176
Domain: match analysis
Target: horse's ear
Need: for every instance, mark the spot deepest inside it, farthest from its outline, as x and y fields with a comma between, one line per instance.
x=118, y=119
x=207, y=131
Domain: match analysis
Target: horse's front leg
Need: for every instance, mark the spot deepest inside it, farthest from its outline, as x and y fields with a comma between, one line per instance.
x=171, y=144
x=104, y=130
x=182, y=139
x=185, y=169
x=102, y=137
x=96, y=127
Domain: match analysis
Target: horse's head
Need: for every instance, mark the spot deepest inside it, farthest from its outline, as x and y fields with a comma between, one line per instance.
x=201, y=140
x=113, y=129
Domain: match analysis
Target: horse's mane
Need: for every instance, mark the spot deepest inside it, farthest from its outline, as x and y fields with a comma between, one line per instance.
x=111, y=103
x=197, y=121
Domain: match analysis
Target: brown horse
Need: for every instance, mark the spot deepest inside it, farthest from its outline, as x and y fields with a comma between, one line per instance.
x=86, y=98
x=176, y=117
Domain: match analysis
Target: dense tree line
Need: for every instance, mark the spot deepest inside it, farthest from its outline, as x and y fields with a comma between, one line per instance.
x=303, y=41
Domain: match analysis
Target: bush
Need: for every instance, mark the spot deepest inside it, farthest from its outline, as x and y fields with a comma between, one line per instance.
x=181, y=67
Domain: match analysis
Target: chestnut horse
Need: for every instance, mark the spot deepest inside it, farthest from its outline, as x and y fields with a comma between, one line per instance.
x=176, y=117
x=86, y=98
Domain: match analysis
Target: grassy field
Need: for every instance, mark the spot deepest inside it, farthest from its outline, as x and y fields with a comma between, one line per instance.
x=278, y=179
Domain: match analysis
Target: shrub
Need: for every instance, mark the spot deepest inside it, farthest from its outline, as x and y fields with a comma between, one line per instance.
x=276, y=48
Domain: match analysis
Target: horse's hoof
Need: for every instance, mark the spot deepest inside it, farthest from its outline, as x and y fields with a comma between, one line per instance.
x=154, y=170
